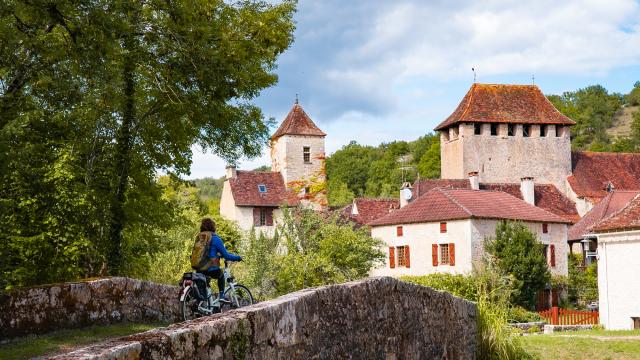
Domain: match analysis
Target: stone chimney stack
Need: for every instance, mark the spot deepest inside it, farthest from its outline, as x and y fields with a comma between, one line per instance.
x=527, y=190
x=231, y=172
x=474, y=180
x=406, y=194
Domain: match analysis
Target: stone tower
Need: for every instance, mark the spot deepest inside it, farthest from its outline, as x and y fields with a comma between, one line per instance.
x=505, y=133
x=297, y=152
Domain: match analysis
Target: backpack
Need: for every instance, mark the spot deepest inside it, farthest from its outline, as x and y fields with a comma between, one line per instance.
x=200, y=260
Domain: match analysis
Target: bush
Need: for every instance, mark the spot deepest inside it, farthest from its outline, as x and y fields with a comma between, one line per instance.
x=582, y=283
x=459, y=285
x=534, y=329
x=518, y=314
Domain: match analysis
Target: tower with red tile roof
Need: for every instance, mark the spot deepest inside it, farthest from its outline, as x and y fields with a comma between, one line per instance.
x=505, y=133
x=297, y=152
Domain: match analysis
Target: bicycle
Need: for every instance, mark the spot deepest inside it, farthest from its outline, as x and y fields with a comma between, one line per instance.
x=194, y=304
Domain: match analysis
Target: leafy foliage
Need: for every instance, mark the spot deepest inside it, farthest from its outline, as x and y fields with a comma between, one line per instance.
x=583, y=283
x=96, y=97
x=518, y=253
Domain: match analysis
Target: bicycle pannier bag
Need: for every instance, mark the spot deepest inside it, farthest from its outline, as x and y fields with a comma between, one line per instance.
x=200, y=260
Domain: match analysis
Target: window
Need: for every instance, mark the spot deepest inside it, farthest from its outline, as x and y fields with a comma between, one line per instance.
x=511, y=129
x=399, y=231
x=558, y=129
x=477, y=128
x=444, y=254
x=636, y=323
x=545, y=228
x=526, y=130
x=443, y=227
x=494, y=129
x=400, y=251
x=543, y=130
x=263, y=217
x=306, y=154
x=262, y=188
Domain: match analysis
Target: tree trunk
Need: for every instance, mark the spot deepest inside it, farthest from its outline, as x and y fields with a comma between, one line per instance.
x=124, y=141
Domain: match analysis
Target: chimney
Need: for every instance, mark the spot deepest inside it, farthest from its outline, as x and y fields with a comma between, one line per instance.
x=405, y=194
x=231, y=172
x=527, y=190
x=474, y=180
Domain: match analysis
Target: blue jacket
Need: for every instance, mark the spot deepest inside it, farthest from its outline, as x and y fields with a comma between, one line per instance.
x=217, y=250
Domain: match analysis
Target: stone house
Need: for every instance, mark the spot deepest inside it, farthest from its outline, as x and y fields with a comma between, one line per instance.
x=618, y=237
x=297, y=177
x=443, y=231
x=507, y=132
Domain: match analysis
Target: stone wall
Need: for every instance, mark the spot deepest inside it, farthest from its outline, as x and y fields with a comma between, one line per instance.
x=375, y=318
x=42, y=309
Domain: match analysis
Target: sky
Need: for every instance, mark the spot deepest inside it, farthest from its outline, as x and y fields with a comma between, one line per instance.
x=377, y=71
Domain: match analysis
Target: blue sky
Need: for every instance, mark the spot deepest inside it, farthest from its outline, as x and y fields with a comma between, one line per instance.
x=379, y=71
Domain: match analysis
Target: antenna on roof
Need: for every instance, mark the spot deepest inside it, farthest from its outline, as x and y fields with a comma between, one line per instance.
x=474, y=75
x=533, y=79
x=296, y=99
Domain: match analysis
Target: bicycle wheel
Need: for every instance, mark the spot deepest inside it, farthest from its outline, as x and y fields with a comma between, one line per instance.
x=239, y=298
x=189, y=306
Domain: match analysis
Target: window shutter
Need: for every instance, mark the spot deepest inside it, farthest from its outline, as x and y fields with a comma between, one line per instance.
x=407, y=263
x=434, y=254
x=545, y=228
x=269, y=217
x=443, y=227
x=552, y=249
x=256, y=216
x=452, y=254
x=399, y=231
x=392, y=257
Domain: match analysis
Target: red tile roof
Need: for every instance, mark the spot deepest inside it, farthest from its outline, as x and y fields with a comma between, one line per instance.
x=613, y=202
x=451, y=204
x=592, y=171
x=244, y=188
x=297, y=122
x=501, y=103
x=369, y=209
x=547, y=196
x=628, y=218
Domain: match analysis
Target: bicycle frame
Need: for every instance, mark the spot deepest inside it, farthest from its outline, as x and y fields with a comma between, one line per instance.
x=230, y=290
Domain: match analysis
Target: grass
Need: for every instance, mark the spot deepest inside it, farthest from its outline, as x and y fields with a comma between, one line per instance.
x=587, y=344
x=28, y=347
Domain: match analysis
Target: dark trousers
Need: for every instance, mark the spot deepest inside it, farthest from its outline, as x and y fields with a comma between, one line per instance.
x=216, y=274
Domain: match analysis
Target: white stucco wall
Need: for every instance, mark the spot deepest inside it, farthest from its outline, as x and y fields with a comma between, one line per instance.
x=618, y=279
x=468, y=235
x=420, y=237
x=243, y=215
x=583, y=205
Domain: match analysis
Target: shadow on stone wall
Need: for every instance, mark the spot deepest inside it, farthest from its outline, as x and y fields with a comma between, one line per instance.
x=43, y=309
x=375, y=318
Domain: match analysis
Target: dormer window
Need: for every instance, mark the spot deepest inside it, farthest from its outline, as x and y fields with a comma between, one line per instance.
x=262, y=188
x=306, y=154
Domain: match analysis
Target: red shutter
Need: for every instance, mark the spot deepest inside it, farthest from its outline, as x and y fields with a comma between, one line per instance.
x=552, y=248
x=256, y=216
x=545, y=228
x=399, y=231
x=392, y=257
x=452, y=254
x=269, y=217
x=443, y=227
x=407, y=263
x=434, y=254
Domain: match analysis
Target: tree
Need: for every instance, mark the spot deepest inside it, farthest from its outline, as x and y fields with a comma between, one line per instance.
x=339, y=194
x=429, y=165
x=518, y=252
x=633, y=97
x=96, y=97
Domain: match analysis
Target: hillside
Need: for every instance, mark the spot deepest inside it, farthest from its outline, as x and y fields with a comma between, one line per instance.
x=622, y=122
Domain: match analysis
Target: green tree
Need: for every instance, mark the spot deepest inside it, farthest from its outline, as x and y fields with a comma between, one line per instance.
x=583, y=282
x=95, y=98
x=518, y=252
x=429, y=165
x=339, y=194
x=633, y=97
x=350, y=165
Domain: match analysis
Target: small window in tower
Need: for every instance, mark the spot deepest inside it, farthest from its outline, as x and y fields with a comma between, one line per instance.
x=494, y=129
x=526, y=130
x=477, y=128
x=306, y=154
x=511, y=129
x=558, y=129
x=543, y=130
x=262, y=188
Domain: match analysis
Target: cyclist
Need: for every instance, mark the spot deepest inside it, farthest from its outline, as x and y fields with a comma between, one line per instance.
x=217, y=251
